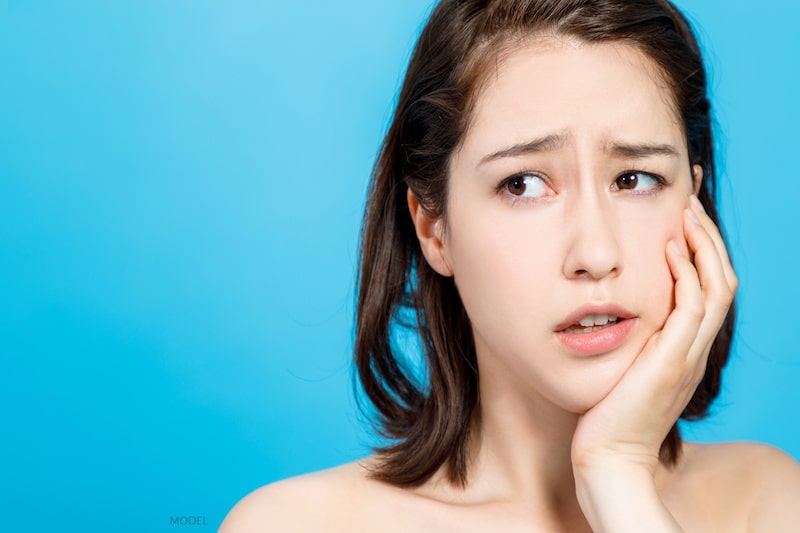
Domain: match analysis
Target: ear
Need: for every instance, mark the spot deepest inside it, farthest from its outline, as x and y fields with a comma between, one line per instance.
x=697, y=178
x=429, y=233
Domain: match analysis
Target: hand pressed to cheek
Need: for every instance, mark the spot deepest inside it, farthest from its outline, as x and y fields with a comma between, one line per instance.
x=662, y=227
x=715, y=273
x=635, y=417
x=713, y=232
x=703, y=295
x=704, y=288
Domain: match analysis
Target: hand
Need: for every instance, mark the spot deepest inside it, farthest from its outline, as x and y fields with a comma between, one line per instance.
x=622, y=434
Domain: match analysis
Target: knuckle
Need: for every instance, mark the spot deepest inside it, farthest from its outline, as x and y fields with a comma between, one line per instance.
x=722, y=308
x=721, y=295
x=696, y=310
x=726, y=296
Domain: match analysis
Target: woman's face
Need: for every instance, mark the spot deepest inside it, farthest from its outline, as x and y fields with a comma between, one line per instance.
x=571, y=179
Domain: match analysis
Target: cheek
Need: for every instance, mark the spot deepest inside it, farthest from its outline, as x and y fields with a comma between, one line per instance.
x=501, y=268
x=648, y=263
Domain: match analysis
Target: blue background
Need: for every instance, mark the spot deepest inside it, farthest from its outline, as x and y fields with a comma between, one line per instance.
x=181, y=186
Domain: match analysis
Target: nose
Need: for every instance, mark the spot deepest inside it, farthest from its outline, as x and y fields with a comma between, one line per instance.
x=592, y=248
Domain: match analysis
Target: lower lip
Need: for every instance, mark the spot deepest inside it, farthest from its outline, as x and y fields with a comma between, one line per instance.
x=597, y=342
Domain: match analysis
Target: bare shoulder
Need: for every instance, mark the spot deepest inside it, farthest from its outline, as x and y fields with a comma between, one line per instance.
x=324, y=500
x=776, y=488
x=755, y=485
x=762, y=466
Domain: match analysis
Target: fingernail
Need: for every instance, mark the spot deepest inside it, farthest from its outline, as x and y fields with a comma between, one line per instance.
x=675, y=248
x=693, y=216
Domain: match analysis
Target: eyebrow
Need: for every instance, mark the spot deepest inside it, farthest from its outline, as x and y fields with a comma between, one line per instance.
x=552, y=142
x=640, y=151
x=542, y=144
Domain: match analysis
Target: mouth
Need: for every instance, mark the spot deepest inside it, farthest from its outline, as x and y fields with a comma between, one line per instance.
x=592, y=323
x=595, y=330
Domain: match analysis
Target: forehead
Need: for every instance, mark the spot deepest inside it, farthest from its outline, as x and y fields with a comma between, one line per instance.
x=596, y=93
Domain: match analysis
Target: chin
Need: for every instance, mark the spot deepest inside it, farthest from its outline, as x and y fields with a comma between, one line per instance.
x=587, y=400
x=600, y=376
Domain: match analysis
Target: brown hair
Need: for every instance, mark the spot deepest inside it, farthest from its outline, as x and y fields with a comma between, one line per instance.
x=428, y=418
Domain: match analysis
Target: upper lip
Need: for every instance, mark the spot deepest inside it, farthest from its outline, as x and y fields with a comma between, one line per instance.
x=583, y=311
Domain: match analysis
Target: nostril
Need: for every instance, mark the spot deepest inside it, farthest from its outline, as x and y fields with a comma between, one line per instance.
x=591, y=259
x=594, y=274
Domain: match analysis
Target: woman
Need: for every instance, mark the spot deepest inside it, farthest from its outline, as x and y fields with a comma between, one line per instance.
x=542, y=214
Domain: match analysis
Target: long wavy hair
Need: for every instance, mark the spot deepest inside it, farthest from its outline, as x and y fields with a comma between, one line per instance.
x=428, y=415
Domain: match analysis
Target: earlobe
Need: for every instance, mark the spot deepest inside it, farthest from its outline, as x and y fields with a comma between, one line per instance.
x=697, y=178
x=430, y=234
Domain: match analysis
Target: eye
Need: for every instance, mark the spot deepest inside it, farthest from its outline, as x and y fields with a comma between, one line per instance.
x=638, y=181
x=525, y=185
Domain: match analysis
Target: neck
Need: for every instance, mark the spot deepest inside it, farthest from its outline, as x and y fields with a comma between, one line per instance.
x=521, y=453
x=522, y=447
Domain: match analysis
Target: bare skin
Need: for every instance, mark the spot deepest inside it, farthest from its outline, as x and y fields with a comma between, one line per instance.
x=726, y=488
x=569, y=442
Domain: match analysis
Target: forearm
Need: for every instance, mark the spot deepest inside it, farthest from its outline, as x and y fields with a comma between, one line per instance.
x=622, y=499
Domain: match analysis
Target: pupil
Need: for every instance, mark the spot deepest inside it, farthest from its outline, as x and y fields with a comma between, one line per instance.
x=628, y=181
x=517, y=186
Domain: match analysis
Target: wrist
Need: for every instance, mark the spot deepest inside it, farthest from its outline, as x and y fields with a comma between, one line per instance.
x=621, y=496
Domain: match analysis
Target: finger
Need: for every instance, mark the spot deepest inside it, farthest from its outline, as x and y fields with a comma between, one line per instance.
x=681, y=328
x=709, y=266
x=664, y=357
x=706, y=257
x=689, y=319
x=670, y=361
x=662, y=377
x=719, y=243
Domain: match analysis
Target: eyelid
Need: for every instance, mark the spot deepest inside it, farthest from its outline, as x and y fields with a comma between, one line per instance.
x=522, y=174
x=661, y=182
x=657, y=177
x=653, y=175
x=502, y=188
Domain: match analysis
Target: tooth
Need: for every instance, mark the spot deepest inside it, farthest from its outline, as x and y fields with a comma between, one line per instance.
x=596, y=320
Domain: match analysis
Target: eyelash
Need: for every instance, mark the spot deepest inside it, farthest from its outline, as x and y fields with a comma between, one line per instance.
x=514, y=199
x=660, y=184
